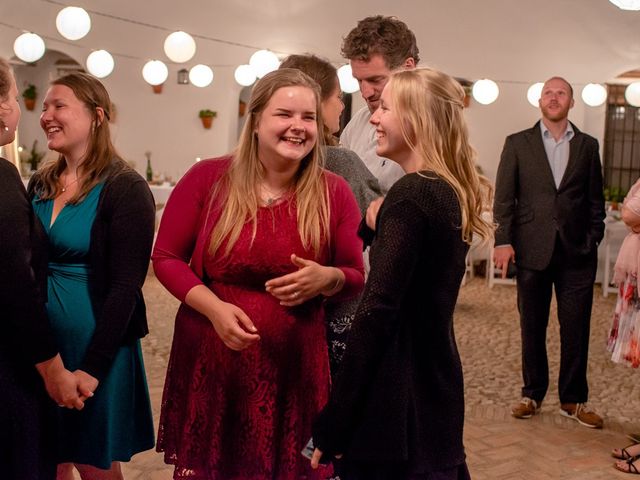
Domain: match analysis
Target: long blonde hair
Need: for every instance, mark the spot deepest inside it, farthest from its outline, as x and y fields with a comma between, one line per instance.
x=100, y=155
x=238, y=186
x=430, y=104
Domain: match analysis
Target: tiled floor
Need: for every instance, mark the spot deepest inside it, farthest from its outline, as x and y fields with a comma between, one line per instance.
x=547, y=446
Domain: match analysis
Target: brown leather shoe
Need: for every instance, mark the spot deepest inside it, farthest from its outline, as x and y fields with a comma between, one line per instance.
x=527, y=408
x=582, y=414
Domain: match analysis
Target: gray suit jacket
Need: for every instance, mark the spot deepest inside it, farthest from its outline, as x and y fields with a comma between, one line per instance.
x=531, y=211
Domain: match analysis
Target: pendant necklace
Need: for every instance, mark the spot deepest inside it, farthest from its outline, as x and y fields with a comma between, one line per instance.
x=271, y=196
x=64, y=187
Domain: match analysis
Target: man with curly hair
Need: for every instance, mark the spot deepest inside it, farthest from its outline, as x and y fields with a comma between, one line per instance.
x=377, y=46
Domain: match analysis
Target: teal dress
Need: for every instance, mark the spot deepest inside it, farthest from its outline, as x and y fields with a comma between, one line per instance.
x=116, y=422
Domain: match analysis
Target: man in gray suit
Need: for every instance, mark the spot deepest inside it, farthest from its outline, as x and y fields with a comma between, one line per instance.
x=549, y=208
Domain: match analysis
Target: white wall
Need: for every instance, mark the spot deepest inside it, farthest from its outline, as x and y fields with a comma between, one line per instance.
x=166, y=124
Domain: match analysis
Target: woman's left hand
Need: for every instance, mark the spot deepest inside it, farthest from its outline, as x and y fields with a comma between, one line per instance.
x=309, y=281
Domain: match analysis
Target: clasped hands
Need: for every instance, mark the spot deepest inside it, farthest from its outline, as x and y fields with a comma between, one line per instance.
x=68, y=389
x=235, y=328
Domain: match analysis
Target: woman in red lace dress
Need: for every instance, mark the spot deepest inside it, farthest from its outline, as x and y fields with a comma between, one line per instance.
x=251, y=244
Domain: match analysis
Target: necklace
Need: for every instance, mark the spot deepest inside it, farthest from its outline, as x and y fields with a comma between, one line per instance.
x=67, y=185
x=271, y=197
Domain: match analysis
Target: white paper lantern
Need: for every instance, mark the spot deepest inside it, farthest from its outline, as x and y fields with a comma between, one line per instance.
x=485, y=91
x=180, y=47
x=534, y=92
x=73, y=23
x=632, y=94
x=348, y=84
x=155, y=72
x=627, y=4
x=245, y=75
x=29, y=47
x=594, y=94
x=263, y=62
x=100, y=63
x=201, y=76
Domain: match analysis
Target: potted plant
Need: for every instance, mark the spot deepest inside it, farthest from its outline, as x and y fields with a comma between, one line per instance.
x=31, y=159
x=207, y=117
x=29, y=94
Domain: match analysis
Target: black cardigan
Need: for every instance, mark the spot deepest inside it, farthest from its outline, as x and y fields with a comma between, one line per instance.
x=119, y=252
x=399, y=394
x=26, y=335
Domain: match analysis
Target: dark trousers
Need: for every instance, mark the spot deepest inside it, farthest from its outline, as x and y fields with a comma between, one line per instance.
x=572, y=277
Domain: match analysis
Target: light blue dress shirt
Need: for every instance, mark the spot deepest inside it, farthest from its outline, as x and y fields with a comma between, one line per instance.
x=557, y=152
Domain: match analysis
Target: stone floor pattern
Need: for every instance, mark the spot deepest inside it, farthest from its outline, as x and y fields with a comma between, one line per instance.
x=498, y=447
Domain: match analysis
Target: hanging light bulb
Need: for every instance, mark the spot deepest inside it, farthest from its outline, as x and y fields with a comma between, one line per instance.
x=201, y=76
x=155, y=72
x=245, y=75
x=627, y=4
x=100, y=63
x=29, y=47
x=632, y=94
x=73, y=23
x=594, y=94
x=263, y=62
x=534, y=92
x=183, y=76
x=180, y=47
x=485, y=91
x=348, y=84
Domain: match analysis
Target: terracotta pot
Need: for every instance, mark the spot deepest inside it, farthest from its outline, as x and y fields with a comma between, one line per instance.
x=30, y=103
x=157, y=88
x=242, y=108
x=207, y=122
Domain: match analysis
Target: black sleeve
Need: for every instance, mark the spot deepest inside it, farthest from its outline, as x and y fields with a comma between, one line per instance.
x=130, y=211
x=400, y=238
x=505, y=194
x=26, y=328
x=596, y=198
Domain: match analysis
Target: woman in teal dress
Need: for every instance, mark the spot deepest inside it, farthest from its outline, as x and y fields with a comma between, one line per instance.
x=99, y=216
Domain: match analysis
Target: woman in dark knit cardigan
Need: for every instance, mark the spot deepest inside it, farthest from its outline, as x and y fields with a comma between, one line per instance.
x=397, y=407
x=99, y=215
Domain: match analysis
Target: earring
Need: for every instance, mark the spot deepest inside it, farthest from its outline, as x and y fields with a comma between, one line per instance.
x=6, y=129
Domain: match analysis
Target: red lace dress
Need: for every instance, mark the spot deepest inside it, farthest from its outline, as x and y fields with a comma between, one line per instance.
x=246, y=415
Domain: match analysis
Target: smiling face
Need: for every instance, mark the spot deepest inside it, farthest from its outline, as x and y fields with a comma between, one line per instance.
x=372, y=76
x=66, y=121
x=390, y=141
x=332, y=108
x=10, y=114
x=287, y=127
x=555, y=100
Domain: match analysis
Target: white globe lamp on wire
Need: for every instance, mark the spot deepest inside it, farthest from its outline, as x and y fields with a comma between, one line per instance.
x=155, y=72
x=73, y=23
x=534, y=92
x=201, y=76
x=348, y=84
x=29, y=47
x=180, y=47
x=263, y=62
x=485, y=91
x=627, y=4
x=632, y=94
x=245, y=75
x=100, y=63
x=594, y=94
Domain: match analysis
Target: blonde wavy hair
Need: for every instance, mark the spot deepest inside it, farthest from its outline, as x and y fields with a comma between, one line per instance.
x=430, y=104
x=238, y=187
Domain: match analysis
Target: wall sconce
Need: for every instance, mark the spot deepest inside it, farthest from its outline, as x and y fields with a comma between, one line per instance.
x=183, y=76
